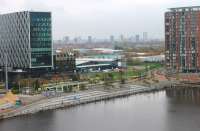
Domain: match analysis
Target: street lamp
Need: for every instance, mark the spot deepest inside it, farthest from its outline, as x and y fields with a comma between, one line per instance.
x=6, y=71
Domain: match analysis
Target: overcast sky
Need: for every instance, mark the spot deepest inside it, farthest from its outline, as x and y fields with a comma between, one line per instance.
x=101, y=18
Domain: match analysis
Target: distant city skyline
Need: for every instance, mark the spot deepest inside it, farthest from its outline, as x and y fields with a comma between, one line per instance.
x=101, y=18
x=109, y=39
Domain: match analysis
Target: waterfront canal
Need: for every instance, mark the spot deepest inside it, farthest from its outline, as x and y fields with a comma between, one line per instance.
x=171, y=110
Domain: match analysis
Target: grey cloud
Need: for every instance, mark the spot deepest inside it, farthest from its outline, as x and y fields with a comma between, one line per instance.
x=101, y=18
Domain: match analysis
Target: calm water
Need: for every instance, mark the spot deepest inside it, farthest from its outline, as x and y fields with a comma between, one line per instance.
x=174, y=110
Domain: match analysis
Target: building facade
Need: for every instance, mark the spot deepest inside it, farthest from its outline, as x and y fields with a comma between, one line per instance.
x=26, y=40
x=145, y=36
x=182, y=39
x=137, y=38
x=64, y=61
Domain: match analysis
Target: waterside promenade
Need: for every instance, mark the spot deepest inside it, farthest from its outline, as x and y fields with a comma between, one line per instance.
x=77, y=99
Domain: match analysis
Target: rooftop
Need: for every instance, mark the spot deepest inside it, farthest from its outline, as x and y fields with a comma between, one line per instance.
x=24, y=11
x=189, y=8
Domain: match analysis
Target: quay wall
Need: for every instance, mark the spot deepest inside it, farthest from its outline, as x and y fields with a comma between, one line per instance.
x=62, y=104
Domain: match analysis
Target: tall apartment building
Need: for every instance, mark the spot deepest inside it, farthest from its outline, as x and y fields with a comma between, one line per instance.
x=145, y=36
x=182, y=39
x=112, y=39
x=89, y=39
x=137, y=38
x=26, y=40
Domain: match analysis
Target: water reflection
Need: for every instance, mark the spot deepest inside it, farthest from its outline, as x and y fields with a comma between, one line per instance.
x=183, y=109
x=36, y=122
x=184, y=95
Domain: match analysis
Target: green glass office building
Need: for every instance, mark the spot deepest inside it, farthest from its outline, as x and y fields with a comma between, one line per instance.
x=26, y=39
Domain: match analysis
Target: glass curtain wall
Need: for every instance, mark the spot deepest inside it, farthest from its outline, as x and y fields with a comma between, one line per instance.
x=40, y=39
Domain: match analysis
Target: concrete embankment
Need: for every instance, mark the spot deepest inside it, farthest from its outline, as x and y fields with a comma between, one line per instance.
x=78, y=99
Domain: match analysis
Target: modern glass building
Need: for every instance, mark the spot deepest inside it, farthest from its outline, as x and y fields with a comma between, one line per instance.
x=26, y=40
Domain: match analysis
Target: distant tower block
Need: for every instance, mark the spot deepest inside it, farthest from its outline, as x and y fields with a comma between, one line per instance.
x=121, y=38
x=76, y=40
x=137, y=38
x=112, y=39
x=145, y=36
x=66, y=39
x=89, y=39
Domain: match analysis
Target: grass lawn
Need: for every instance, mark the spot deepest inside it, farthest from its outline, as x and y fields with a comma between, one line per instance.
x=131, y=72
